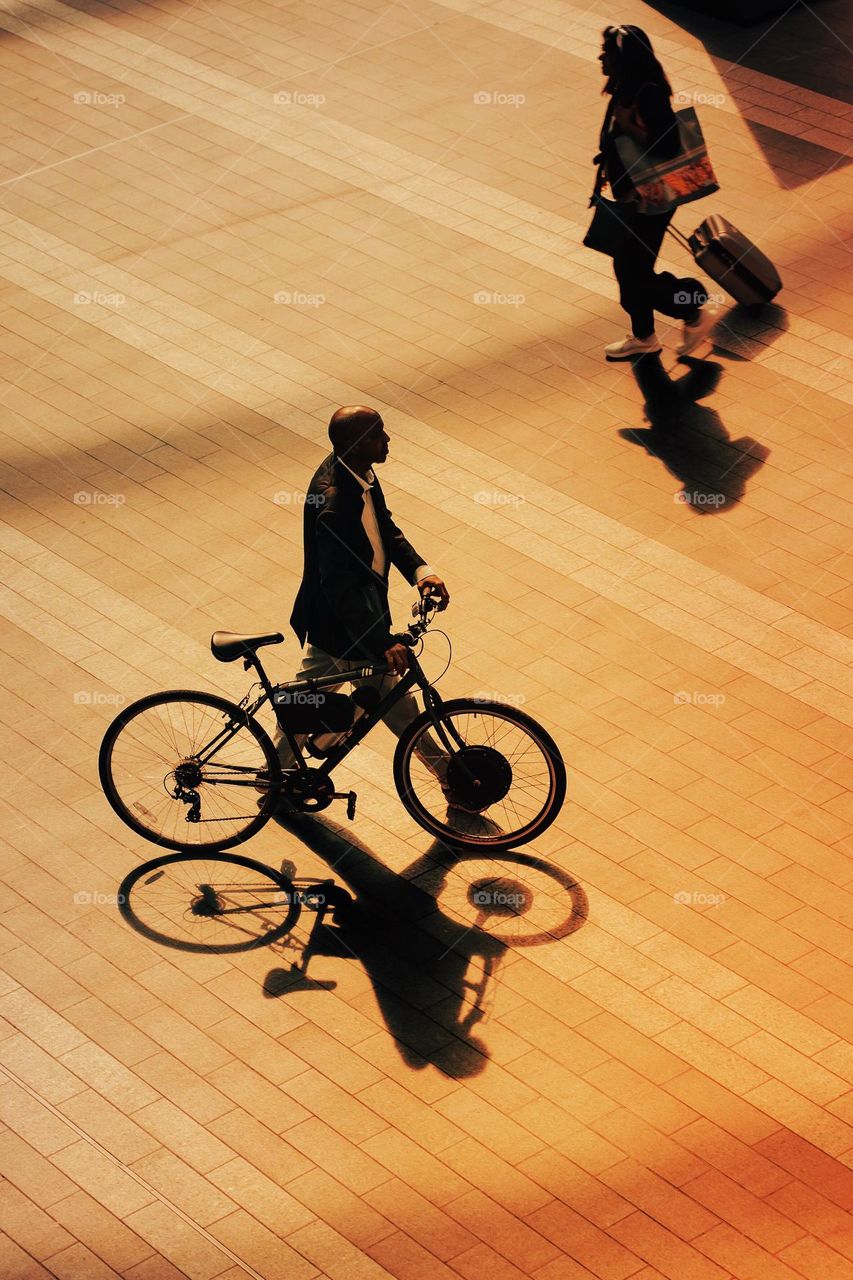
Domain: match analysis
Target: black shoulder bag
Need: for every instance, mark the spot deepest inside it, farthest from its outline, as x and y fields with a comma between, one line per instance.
x=606, y=231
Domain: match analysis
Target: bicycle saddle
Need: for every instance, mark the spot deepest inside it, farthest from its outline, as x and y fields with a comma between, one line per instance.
x=228, y=646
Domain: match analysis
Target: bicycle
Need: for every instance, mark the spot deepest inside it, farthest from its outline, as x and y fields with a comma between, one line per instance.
x=184, y=769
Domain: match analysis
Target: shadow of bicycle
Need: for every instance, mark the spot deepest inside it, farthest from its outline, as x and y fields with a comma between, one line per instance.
x=430, y=938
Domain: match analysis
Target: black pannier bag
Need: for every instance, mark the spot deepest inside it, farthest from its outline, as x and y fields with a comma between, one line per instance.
x=306, y=710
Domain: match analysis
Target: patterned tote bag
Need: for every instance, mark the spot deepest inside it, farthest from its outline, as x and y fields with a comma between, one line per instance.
x=662, y=185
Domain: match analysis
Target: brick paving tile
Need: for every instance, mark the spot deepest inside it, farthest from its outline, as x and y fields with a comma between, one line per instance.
x=77, y=1262
x=101, y=1231
x=215, y=229
x=19, y=1263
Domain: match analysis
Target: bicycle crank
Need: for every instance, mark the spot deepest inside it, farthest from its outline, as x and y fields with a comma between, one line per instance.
x=311, y=791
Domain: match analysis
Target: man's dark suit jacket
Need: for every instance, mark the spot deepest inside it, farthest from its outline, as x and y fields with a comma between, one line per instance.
x=342, y=605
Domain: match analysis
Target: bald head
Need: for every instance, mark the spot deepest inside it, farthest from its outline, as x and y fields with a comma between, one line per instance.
x=358, y=436
x=347, y=426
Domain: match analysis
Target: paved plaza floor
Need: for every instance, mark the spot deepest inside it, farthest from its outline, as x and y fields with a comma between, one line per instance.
x=219, y=221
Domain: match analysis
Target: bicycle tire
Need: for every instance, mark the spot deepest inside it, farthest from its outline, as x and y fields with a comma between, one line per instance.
x=147, y=873
x=173, y=834
x=473, y=831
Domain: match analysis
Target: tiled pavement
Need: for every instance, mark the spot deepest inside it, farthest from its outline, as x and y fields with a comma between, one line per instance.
x=194, y=272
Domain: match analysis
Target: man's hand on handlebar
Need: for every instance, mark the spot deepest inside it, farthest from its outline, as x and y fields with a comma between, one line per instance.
x=397, y=658
x=434, y=587
x=433, y=595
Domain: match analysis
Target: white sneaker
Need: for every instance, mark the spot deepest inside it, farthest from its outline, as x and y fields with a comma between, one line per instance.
x=695, y=334
x=630, y=347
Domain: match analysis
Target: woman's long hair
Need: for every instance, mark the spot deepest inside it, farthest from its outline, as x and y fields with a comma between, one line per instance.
x=634, y=64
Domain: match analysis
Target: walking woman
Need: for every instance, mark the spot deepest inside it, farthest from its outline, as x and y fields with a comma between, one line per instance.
x=640, y=106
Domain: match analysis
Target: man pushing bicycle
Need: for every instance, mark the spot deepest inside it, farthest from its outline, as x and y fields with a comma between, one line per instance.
x=176, y=766
x=351, y=542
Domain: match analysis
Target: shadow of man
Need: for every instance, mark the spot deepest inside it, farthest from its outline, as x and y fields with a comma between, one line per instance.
x=418, y=959
x=689, y=439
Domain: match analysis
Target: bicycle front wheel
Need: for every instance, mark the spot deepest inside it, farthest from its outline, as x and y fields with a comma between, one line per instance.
x=505, y=779
x=213, y=905
x=189, y=771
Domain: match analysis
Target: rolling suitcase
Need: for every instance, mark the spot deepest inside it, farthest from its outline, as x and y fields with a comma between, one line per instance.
x=732, y=260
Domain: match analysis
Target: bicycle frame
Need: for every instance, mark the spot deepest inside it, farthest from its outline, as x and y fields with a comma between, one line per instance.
x=352, y=737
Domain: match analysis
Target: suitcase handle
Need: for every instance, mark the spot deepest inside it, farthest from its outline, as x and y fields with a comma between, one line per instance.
x=680, y=238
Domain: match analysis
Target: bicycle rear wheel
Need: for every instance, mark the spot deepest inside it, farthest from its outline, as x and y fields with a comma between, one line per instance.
x=187, y=771
x=209, y=904
x=505, y=771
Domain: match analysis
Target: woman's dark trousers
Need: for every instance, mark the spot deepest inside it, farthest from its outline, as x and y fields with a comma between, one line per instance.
x=642, y=290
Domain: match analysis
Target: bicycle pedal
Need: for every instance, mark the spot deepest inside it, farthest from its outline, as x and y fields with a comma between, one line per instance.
x=350, y=797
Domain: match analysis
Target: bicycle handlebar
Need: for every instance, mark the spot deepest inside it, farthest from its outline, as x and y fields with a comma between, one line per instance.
x=423, y=611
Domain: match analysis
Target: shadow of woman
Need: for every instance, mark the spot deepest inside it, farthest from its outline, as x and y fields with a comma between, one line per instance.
x=689, y=439
x=418, y=959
